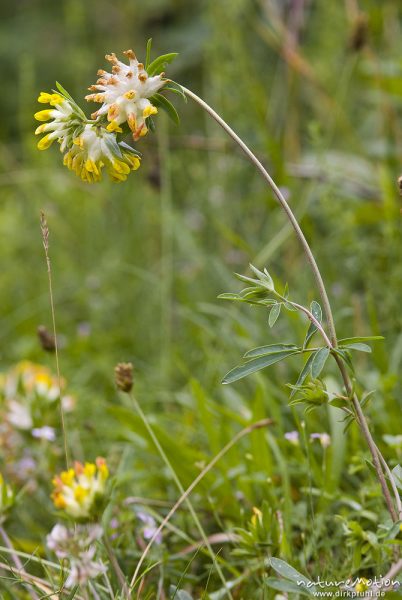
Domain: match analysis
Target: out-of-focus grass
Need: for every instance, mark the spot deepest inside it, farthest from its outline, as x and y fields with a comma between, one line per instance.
x=137, y=267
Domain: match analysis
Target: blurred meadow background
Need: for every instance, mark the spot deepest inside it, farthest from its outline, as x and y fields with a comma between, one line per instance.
x=315, y=88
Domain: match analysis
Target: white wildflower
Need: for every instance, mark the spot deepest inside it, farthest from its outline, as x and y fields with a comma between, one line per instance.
x=77, y=545
x=44, y=433
x=125, y=94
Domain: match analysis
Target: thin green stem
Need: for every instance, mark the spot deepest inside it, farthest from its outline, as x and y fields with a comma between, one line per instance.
x=285, y=206
x=321, y=288
x=116, y=567
x=182, y=492
x=202, y=474
x=45, y=238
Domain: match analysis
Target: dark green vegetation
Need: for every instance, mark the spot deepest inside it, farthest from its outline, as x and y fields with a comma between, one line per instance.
x=137, y=269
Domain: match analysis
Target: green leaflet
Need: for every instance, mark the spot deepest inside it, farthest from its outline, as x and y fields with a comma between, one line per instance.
x=304, y=373
x=358, y=346
x=156, y=67
x=270, y=349
x=316, y=311
x=355, y=340
x=167, y=106
x=318, y=362
x=274, y=314
x=254, y=365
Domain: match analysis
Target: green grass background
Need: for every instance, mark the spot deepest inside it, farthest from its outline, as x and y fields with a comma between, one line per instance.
x=137, y=267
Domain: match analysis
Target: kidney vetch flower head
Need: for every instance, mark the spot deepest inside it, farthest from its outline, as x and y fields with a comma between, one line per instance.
x=125, y=94
x=79, y=491
x=129, y=97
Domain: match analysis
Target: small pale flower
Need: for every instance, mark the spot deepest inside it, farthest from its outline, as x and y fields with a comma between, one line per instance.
x=149, y=528
x=77, y=545
x=79, y=490
x=96, y=148
x=31, y=378
x=84, y=569
x=25, y=467
x=125, y=94
x=19, y=415
x=324, y=438
x=292, y=437
x=44, y=433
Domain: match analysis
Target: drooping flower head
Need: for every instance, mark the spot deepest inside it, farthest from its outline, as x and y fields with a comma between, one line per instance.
x=80, y=491
x=124, y=94
x=129, y=97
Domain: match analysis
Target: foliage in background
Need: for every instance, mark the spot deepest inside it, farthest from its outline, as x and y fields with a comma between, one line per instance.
x=137, y=269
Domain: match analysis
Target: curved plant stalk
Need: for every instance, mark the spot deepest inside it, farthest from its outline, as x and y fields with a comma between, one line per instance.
x=333, y=342
x=185, y=494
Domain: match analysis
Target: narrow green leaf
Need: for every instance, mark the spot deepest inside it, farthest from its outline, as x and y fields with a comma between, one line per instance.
x=254, y=365
x=230, y=296
x=63, y=91
x=247, y=279
x=129, y=148
x=166, y=105
x=345, y=356
x=274, y=314
x=151, y=124
x=397, y=476
x=318, y=362
x=148, y=55
x=176, y=594
x=73, y=593
x=288, y=572
x=357, y=346
x=353, y=340
x=304, y=373
x=175, y=87
x=270, y=349
x=156, y=67
x=265, y=277
x=289, y=587
x=339, y=402
x=316, y=311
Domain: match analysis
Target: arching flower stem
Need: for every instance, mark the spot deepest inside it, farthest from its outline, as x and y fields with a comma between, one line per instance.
x=375, y=453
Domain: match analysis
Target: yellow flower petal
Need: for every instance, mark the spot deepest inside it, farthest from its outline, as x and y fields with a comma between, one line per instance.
x=43, y=115
x=45, y=142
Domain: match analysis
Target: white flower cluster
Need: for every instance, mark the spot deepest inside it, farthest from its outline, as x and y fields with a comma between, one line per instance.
x=125, y=94
x=91, y=145
x=27, y=392
x=78, y=545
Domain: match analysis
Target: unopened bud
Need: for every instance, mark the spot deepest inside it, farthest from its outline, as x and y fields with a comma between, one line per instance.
x=123, y=373
x=46, y=339
x=359, y=34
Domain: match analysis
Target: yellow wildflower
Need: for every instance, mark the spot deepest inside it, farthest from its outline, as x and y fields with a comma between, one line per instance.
x=78, y=489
